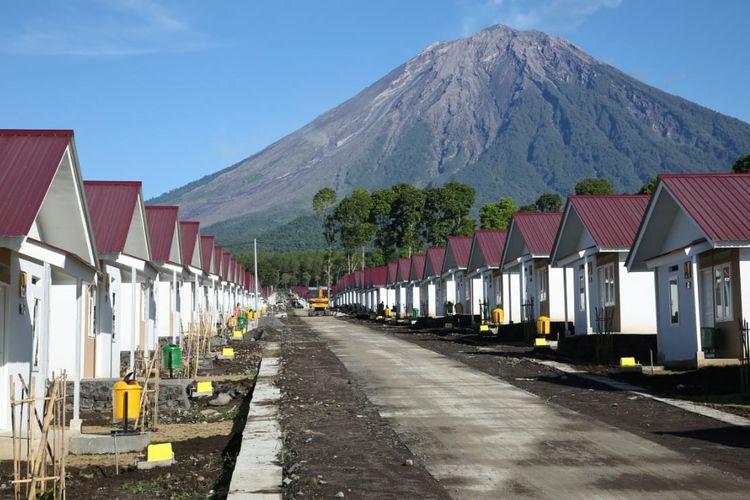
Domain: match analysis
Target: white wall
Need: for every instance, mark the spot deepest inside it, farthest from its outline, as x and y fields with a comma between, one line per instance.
x=637, y=300
x=745, y=282
x=62, y=341
x=556, y=293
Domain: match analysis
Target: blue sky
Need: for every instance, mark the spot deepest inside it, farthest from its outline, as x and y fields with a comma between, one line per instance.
x=167, y=91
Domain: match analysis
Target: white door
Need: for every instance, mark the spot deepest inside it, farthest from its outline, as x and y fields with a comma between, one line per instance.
x=707, y=298
x=3, y=376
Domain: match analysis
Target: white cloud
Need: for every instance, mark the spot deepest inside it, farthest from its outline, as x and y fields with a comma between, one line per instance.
x=103, y=28
x=556, y=16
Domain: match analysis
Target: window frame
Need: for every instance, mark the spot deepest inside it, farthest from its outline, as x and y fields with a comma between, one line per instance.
x=723, y=296
x=674, y=302
x=607, y=285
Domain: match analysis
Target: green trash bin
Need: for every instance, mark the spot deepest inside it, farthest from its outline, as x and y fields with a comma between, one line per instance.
x=171, y=357
x=242, y=322
x=415, y=312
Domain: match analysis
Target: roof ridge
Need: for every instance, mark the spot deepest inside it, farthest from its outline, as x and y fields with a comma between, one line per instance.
x=607, y=196
x=112, y=183
x=704, y=174
x=37, y=132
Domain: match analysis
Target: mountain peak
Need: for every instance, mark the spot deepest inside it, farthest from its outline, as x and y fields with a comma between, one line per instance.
x=511, y=112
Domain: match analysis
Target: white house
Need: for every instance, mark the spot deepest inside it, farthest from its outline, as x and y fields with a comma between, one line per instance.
x=453, y=274
x=378, y=279
x=402, y=281
x=487, y=281
x=392, y=279
x=118, y=219
x=192, y=273
x=431, y=283
x=695, y=237
x=414, y=284
x=47, y=259
x=543, y=288
x=166, y=257
x=210, y=279
x=593, y=241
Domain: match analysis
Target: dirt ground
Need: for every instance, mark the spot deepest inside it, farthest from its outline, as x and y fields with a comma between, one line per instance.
x=205, y=442
x=334, y=439
x=698, y=438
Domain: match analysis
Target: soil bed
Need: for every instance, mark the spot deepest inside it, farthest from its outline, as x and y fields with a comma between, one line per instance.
x=698, y=438
x=334, y=438
x=205, y=441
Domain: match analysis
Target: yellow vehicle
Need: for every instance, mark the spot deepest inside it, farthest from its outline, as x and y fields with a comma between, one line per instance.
x=319, y=301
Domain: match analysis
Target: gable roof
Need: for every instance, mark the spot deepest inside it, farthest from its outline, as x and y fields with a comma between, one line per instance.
x=718, y=203
x=392, y=270
x=112, y=207
x=207, y=253
x=379, y=276
x=612, y=220
x=218, y=267
x=226, y=258
x=403, y=269
x=163, y=232
x=29, y=160
x=487, y=248
x=191, y=245
x=433, y=262
x=457, y=253
x=538, y=230
x=416, y=269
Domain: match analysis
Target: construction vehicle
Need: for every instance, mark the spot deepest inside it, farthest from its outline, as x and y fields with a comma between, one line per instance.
x=319, y=301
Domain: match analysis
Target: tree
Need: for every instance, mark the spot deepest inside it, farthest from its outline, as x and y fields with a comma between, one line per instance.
x=352, y=216
x=497, y=215
x=527, y=208
x=594, y=186
x=322, y=205
x=649, y=187
x=742, y=165
x=446, y=212
x=548, y=202
x=405, y=219
x=380, y=217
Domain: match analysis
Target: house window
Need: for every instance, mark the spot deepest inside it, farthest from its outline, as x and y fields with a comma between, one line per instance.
x=581, y=289
x=541, y=283
x=723, y=292
x=674, y=301
x=607, y=285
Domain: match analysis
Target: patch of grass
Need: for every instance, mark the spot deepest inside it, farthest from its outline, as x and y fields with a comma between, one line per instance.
x=140, y=487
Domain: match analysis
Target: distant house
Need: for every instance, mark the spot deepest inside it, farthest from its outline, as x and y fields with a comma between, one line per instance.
x=542, y=288
x=391, y=284
x=210, y=278
x=166, y=257
x=593, y=241
x=48, y=263
x=378, y=291
x=431, y=283
x=695, y=236
x=402, y=283
x=453, y=275
x=414, y=283
x=487, y=283
x=125, y=288
x=192, y=274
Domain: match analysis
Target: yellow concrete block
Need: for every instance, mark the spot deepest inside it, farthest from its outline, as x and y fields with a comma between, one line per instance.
x=627, y=362
x=484, y=328
x=449, y=325
x=227, y=351
x=237, y=334
x=540, y=342
x=204, y=386
x=159, y=452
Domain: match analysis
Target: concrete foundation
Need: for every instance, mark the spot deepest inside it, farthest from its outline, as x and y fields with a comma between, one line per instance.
x=101, y=444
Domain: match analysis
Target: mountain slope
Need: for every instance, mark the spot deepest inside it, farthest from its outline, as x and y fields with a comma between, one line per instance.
x=510, y=112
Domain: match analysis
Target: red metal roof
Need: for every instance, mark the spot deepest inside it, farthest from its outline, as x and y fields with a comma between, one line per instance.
x=112, y=206
x=189, y=232
x=379, y=276
x=612, y=220
x=207, y=247
x=491, y=243
x=403, y=269
x=433, y=263
x=225, y=263
x=416, y=269
x=28, y=163
x=538, y=230
x=460, y=247
x=718, y=203
x=162, y=223
x=392, y=269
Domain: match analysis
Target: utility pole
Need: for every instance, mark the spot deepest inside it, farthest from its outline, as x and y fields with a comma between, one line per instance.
x=255, y=262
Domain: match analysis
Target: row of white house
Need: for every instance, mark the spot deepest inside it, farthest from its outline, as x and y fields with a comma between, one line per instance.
x=89, y=273
x=672, y=264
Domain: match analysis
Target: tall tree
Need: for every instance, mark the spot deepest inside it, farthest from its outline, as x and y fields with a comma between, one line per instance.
x=742, y=165
x=497, y=215
x=446, y=212
x=405, y=219
x=548, y=202
x=322, y=203
x=594, y=186
x=380, y=217
x=352, y=216
x=649, y=187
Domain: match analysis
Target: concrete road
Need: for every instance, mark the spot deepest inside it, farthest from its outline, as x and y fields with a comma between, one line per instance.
x=484, y=438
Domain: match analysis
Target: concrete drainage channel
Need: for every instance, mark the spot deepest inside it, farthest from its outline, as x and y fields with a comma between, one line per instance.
x=257, y=471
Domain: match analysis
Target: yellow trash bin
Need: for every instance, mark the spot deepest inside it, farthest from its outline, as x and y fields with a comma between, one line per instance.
x=542, y=325
x=121, y=410
x=498, y=315
x=387, y=312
